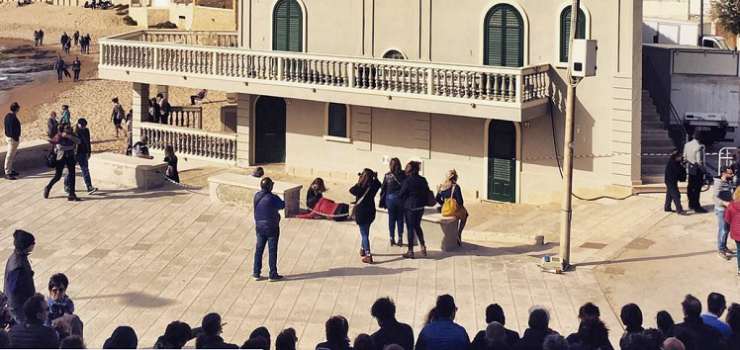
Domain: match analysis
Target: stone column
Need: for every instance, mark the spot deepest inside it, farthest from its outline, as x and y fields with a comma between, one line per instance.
x=140, y=109
x=243, y=137
x=164, y=90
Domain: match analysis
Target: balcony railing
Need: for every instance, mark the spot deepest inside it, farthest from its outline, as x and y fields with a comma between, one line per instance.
x=146, y=51
x=214, y=146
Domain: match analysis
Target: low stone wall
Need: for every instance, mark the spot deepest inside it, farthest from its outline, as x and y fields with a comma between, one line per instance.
x=239, y=190
x=440, y=233
x=128, y=171
x=30, y=154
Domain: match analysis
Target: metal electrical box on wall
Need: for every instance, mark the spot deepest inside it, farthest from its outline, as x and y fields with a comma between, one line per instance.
x=584, y=58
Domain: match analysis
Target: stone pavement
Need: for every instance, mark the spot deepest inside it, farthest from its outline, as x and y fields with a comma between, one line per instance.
x=145, y=259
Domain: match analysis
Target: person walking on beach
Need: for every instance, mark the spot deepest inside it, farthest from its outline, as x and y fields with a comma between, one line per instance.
x=61, y=68
x=267, y=218
x=87, y=43
x=13, y=137
x=52, y=125
x=19, y=285
x=67, y=46
x=63, y=40
x=65, y=143
x=76, y=36
x=364, y=191
x=41, y=37
x=76, y=67
x=82, y=156
x=117, y=115
x=35, y=38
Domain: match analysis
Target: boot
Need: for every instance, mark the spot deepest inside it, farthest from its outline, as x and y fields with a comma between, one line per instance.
x=46, y=192
x=400, y=241
x=393, y=242
x=409, y=255
x=368, y=259
x=424, y=251
x=362, y=252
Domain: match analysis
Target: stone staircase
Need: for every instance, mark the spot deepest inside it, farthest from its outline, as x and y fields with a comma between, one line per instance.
x=655, y=139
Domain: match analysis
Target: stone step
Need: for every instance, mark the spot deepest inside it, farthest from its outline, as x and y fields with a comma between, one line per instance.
x=654, y=160
x=655, y=184
x=649, y=108
x=652, y=169
x=666, y=143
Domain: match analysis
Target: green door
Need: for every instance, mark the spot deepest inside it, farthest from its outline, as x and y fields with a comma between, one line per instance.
x=502, y=161
x=287, y=26
x=269, y=133
x=504, y=37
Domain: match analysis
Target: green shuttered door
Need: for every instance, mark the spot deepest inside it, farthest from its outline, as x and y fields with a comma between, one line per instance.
x=565, y=31
x=502, y=161
x=504, y=37
x=287, y=31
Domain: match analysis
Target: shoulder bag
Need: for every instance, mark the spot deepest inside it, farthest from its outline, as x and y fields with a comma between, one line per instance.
x=450, y=206
x=354, y=205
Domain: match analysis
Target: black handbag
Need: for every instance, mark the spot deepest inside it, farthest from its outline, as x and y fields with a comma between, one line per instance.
x=51, y=158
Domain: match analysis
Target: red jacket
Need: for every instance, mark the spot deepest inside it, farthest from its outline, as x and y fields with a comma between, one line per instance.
x=732, y=217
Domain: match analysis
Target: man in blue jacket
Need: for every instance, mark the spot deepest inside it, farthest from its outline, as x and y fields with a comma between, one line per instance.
x=13, y=137
x=267, y=219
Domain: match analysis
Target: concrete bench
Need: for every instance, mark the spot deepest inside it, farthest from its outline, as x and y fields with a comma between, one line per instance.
x=239, y=190
x=30, y=154
x=439, y=232
x=128, y=171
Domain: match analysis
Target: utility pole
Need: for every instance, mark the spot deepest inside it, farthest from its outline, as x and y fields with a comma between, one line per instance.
x=566, y=212
x=701, y=22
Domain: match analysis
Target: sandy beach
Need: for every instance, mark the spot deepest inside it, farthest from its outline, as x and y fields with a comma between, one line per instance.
x=91, y=97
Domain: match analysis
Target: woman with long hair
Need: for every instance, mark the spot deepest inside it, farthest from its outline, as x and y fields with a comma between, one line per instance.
x=315, y=192
x=414, y=192
x=390, y=199
x=451, y=190
x=364, y=191
x=732, y=217
x=171, y=159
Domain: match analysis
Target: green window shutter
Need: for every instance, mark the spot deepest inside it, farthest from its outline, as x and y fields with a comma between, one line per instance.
x=287, y=26
x=337, y=120
x=565, y=31
x=504, y=37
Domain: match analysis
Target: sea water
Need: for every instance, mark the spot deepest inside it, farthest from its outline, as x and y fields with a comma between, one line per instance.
x=22, y=65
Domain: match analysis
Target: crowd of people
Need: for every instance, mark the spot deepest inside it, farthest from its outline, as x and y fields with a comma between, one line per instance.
x=691, y=166
x=30, y=320
x=76, y=39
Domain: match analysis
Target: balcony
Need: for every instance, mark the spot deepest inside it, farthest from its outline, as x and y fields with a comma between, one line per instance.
x=211, y=60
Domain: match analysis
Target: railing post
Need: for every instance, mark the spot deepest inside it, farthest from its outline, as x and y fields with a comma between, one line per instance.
x=214, y=64
x=280, y=67
x=430, y=81
x=351, y=74
x=155, y=56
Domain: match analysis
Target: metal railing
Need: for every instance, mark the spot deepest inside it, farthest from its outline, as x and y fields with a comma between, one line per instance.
x=480, y=84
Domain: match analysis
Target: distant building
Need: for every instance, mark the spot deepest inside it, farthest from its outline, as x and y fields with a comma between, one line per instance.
x=328, y=87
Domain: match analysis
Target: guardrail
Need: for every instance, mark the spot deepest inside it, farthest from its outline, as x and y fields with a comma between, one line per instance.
x=186, y=117
x=474, y=83
x=212, y=146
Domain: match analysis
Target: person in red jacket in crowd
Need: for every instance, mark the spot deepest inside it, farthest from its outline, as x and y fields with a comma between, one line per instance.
x=732, y=217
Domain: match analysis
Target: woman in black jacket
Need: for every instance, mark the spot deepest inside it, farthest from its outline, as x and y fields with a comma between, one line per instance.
x=414, y=192
x=390, y=199
x=364, y=191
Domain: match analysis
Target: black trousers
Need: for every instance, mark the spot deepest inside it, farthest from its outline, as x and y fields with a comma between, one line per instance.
x=672, y=194
x=69, y=163
x=693, y=190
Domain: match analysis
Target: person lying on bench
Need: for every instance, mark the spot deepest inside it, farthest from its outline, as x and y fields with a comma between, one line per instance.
x=198, y=97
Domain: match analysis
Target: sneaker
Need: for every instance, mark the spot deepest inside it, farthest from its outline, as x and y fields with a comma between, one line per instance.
x=682, y=213
x=14, y=173
x=723, y=255
x=668, y=210
x=10, y=177
x=74, y=199
x=46, y=192
x=92, y=190
x=275, y=278
x=258, y=278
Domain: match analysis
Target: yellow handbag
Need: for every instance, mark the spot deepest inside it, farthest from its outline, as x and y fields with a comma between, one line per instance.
x=450, y=206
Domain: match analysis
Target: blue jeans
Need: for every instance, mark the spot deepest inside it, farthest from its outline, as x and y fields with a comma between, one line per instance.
x=82, y=161
x=737, y=245
x=365, y=233
x=395, y=214
x=413, y=225
x=272, y=245
x=721, y=230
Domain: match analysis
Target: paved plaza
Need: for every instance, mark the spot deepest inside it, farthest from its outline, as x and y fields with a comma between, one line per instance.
x=145, y=259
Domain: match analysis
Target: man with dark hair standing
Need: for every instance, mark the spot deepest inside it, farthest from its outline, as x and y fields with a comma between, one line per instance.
x=495, y=313
x=76, y=36
x=76, y=68
x=13, y=137
x=716, y=306
x=697, y=335
x=63, y=40
x=391, y=331
x=722, y=196
x=267, y=217
x=82, y=156
x=694, y=154
x=444, y=334
x=32, y=334
x=19, y=285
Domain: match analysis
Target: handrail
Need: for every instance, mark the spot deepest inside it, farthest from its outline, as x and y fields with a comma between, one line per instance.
x=664, y=98
x=186, y=130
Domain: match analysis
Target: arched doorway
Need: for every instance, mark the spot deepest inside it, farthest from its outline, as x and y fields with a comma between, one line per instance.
x=502, y=161
x=269, y=130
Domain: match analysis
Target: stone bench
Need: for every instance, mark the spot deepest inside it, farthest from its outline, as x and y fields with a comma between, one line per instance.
x=128, y=171
x=239, y=190
x=439, y=232
x=30, y=154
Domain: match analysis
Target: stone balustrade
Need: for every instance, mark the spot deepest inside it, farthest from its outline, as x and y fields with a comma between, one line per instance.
x=186, y=117
x=212, y=146
x=179, y=54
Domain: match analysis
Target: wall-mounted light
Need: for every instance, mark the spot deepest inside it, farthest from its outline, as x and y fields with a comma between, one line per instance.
x=390, y=97
x=472, y=105
x=184, y=77
x=246, y=83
